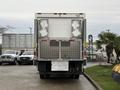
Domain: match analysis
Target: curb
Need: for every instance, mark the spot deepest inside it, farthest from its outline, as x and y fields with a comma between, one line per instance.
x=92, y=82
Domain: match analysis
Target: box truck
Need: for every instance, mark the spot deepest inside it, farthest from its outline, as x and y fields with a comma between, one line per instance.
x=60, y=44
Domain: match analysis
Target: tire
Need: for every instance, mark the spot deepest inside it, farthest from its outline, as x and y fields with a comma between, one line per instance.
x=19, y=63
x=16, y=62
x=42, y=76
x=47, y=76
x=0, y=63
x=76, y=76
x=72, y=76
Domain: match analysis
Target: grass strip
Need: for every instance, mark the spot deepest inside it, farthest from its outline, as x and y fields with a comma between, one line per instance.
x=102, y=74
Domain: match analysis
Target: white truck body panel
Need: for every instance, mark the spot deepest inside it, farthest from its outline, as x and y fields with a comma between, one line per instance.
x=59, y=28
x=55, y=15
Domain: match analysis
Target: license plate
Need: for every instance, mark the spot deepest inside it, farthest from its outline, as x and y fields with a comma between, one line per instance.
x=60, y=66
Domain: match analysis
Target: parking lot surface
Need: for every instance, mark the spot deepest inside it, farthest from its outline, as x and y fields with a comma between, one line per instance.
x=27, y=78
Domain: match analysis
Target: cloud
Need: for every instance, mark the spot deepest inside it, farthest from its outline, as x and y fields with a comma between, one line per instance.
x=100, y=14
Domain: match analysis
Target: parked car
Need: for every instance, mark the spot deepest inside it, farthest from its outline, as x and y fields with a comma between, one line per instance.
x=9, y=56
x=26, y=58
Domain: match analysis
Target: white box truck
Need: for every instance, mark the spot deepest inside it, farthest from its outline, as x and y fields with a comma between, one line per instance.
x=60, y=43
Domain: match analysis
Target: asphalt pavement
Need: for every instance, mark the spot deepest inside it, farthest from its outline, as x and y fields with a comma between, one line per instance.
x=27, y=78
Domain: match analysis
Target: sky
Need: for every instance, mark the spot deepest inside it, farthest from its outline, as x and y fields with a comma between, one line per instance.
x=100, y=14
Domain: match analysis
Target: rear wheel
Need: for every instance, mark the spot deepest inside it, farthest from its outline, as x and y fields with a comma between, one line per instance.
x=75, y=76
x=0, y=63
x=44, y=76
x=19, y=63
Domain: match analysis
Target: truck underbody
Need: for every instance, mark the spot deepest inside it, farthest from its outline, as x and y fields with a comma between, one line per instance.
x=75, y=68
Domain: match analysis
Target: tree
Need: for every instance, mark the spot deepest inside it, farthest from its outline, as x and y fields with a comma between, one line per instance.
x=117, y=46
x=98, y=44
x=109, y=50
x=105, y=38
x=109, y=39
